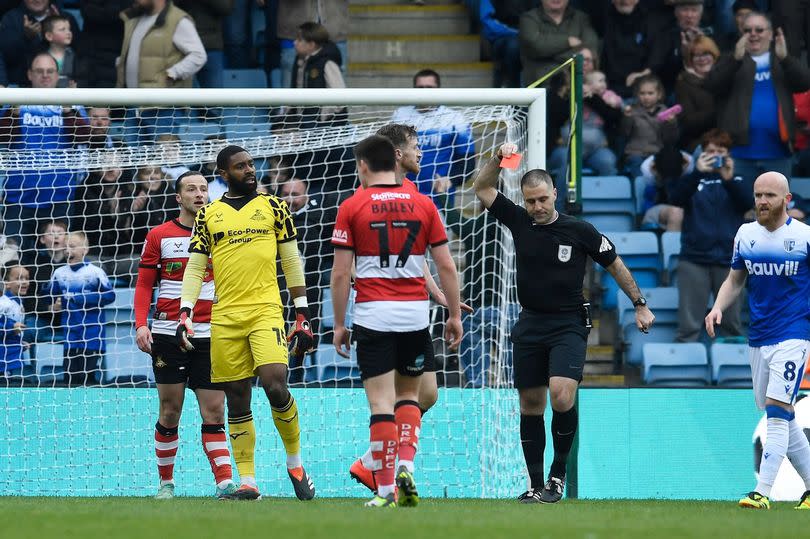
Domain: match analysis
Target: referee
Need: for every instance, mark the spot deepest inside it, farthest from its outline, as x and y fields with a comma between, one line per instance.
x=549, y=339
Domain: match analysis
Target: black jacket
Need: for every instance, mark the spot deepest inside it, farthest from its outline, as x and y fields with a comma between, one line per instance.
x=625, y=47
x=100, y=43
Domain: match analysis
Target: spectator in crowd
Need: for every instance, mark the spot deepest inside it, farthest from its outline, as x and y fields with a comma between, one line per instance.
x=279, y=172
x=550, y=34
x=333, y=15
x=102, y=209
x=646, y=134
x=216, y=185
x=601, y=113
x=740, y=9
x=58, y=37
x=153, y=202
x=753, y=88
x=313, y=223
x=21, y=35
x=626, y=44
x=801, y=144
x=483, y=283
x=315, y=68
x=699, y=112
x=50, y=254
x=33, y=193
x=99, y=134
x=100, y=43
x=714, y=198
x=12, y=320
x=208, y=16
x=499, y=23
x=656, y=173
x=668, y=44
x=445, y=138
x=80, y=290
x=170, y=154
x=151, y=28
x=793, y=17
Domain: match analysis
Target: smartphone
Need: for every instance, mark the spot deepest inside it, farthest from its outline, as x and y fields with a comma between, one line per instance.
x=669, y=113
x=719, y=161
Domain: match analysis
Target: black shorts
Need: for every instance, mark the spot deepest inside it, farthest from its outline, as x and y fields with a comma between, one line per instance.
x=546, y=345
x=378, y=352
x=172, y=365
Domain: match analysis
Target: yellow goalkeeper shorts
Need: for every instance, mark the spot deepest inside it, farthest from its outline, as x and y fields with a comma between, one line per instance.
x=243, y=341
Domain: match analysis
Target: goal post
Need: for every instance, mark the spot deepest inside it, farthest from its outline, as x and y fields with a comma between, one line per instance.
x=96, y=438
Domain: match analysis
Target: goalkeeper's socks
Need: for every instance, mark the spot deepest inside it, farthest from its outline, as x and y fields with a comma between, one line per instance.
x=286, y=420
x=243, y=441
x=165, y=451
x=799, y=451
x=409, y=422
x=563, y=430
x=775, y=449
x=384, y=443
x=533, y=442
x=215, y=445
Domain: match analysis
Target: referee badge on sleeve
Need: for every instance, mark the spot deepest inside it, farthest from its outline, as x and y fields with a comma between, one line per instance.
x=564, y=253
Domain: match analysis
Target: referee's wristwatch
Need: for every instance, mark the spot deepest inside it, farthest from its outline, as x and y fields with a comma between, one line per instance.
x=640, y=302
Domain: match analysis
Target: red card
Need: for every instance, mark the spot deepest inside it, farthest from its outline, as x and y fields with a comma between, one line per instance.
x=511, y=162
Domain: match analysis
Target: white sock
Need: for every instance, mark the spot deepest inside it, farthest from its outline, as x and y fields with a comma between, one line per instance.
x=384, y=490
x=367, y=459
x=773, y=453
x=799, y=452
x=294, y=461
x=224, y=483
x=249, y=481
x=408, y=465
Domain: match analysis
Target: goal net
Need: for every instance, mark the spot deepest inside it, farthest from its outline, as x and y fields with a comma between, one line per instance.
x=78, y=395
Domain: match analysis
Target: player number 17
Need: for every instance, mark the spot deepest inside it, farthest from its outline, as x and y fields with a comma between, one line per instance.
x=382, y=230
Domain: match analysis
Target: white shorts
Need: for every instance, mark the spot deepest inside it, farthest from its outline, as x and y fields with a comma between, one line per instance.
x=777, y=370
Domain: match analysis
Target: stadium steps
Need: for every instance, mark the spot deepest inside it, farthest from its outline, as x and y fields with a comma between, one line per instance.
x=389, y=42
x=422, y=20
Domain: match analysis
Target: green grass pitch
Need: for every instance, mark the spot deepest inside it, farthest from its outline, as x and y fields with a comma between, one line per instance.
x=123, y=518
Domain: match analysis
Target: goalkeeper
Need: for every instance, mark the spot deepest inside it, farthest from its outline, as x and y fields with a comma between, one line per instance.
x=243, y=233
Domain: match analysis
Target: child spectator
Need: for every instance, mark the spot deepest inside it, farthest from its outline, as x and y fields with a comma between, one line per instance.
x=656, y=172
x=50, y=254
x=316, y=67
x=79, y=290
x=58, y=38
x=596, y=83
x=174, y=167
x=645, y=133
x=12, y=320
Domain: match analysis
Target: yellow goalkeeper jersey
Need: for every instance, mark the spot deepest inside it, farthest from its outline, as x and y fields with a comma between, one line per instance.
x=241, y=236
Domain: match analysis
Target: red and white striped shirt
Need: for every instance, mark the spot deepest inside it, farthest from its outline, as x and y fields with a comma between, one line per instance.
x=164, y=258
x=389, y=228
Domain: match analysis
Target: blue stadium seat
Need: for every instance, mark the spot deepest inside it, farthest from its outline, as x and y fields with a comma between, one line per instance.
x=731, y=366
x=244, y=78
x=120, y=311
x=328, y=309
x=125, y=364
x=245, y=115
x=639, y=250
x=634, y=340
x=676, y=364
x=607, y=194
x=332, y=367
x=197, y=132
x=670, y=251
x=49, y=361
x=663, y=301
x=800, y=186
x=610, y=222
x=242, y=131
x=639, y=185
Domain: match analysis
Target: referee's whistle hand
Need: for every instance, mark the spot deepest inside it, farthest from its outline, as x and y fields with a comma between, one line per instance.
x=714, y=318
x=453, y=332
x=341, y=341
x=644, y=319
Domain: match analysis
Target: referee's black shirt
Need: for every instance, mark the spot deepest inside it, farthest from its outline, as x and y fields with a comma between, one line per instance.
x=551, y=258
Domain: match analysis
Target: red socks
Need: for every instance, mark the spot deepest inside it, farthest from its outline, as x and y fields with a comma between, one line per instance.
x=215, y=445
x=384, y=442
x=409, y=422
x=166, y=451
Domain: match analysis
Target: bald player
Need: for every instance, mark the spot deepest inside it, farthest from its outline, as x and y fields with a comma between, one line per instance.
x=773, y=254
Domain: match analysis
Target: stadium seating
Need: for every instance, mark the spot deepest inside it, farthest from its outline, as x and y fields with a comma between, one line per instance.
x=120, y=310
x=328, y=309
x=49, y=361
x=247, y=130
x=663, y=301
x=639, y=250
x=639, y=185
x=244, y=78
x=124, y=363
x=197, y=132
x=607, y=203
x=800, y=186
x=731, y=366
x=331, y=367
x=634, y=340
x=676, y=364
x=670, y=250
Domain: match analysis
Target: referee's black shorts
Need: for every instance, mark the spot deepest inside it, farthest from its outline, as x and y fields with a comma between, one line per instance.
x=546, y=345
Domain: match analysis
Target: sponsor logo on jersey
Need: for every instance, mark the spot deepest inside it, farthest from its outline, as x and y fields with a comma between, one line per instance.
x=340, y=235
x=171, y=267
x=789, y=245
x=390, y=196
x=605, y=246
x=258, y=216
x=564, y=253
x=772, y=268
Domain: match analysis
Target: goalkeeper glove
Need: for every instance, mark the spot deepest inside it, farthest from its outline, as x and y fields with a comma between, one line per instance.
x=300, y=337
x=185, y=330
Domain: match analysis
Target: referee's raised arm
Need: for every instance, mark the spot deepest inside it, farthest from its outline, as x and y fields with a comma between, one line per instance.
x=487, y=179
